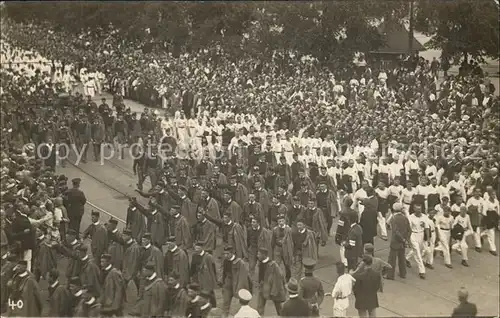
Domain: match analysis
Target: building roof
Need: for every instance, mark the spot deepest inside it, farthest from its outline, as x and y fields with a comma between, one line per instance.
x=395, y=38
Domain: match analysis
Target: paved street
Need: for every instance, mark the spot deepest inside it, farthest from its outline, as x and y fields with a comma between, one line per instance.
x=435, y=296
x=437, y=293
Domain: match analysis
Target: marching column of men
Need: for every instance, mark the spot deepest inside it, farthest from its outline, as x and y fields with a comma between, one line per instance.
x=172, y=241
x=273, y=218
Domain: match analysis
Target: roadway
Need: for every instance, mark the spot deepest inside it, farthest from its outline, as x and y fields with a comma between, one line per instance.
x=107, y=186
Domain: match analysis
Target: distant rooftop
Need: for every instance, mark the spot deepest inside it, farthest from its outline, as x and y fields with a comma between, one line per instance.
x=395, y=37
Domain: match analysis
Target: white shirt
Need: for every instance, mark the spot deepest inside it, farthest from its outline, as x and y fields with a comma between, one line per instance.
x=440, y=209
x=443, y=191
x=367, y=170
x=424, y=190
x=305, y=159
x=458, y=186
x=418, y=224
x=430, y=171
x=491, y=206
x=456, y=208
x=443, y=222
x=464, y=222
x=479, y=203
x=407, y=195
x=329, y=144
x=352, y=171
x=343, y=286
x=58, y=215
x=247, y=312
x=431, y=224
x=286, y=146
x=384, y=194
x=439, y=174
x=411, y=165
x=396, y=190
x=395, y=169
x=333, y=172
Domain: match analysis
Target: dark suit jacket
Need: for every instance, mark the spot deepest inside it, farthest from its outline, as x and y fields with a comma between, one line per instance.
x=343, y=227
x=295, y=307
x=187, y=103
x=26, y=240
x=75, y=201
x=354, y=242
x=365, y=289
x=49, y=155
x=464, y=310
x=368, y=220
x=401, y=231
x=482, y=183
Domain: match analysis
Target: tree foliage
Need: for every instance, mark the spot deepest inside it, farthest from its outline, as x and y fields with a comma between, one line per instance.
x=320, y=28
x=460, y=27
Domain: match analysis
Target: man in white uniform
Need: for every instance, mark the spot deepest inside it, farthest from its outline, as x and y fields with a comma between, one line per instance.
x=461, y=246
x=419, y=224
x=407, y=197
x=475, y=205
x=341, y=291
x=444, y=224
x=491, y=214
x=90, y=86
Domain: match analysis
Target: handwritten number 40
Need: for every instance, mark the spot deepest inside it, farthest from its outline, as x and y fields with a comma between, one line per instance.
x=16, y=304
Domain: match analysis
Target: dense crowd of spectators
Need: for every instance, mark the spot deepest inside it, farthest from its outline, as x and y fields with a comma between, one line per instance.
x=355, y=104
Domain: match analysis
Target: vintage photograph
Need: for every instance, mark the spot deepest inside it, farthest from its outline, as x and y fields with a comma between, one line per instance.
x=249, y=158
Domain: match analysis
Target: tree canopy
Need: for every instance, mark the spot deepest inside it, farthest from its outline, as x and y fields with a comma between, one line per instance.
x=460, y=28
x=320, y=28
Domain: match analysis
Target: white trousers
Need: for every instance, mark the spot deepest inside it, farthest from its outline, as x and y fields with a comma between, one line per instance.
x=428, y=255
x=444, y=245
x=382, y=223
x=461, y=246
x=98, y=87
x=28, y=254
x=490, y=237
x=340, y=307
x=91, y=91
x=289, y=157
x=417, y=248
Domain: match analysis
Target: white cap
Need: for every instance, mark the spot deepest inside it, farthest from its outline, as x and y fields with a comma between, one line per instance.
x=244, y=295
